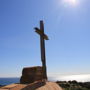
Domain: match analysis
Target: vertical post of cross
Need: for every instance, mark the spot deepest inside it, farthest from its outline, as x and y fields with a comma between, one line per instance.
x=43, y=37
x=43, y=57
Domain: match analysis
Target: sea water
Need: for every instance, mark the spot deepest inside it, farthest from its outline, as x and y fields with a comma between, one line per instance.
x=6, y=81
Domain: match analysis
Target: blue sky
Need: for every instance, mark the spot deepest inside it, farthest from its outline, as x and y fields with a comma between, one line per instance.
x=68, y=28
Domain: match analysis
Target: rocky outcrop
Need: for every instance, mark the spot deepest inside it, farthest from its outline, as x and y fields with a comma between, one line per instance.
x=33, y=86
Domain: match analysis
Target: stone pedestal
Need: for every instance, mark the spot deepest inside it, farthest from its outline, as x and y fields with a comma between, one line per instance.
x=31, y=74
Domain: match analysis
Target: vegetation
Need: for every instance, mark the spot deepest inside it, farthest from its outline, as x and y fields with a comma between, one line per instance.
x=74, y=85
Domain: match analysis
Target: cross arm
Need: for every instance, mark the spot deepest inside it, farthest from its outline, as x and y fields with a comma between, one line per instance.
x=38, y=31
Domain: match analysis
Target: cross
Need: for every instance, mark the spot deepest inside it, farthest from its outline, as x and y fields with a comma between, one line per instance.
x=43, y=37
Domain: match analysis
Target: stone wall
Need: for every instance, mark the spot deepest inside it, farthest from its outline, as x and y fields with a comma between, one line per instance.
x=31, y=74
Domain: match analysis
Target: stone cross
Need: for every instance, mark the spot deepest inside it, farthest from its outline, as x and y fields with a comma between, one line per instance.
x=43, y=37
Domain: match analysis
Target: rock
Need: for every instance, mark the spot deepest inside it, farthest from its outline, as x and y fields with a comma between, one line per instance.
x=34, y=86
x=31, y=74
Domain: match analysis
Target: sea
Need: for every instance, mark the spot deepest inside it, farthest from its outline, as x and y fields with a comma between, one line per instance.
x=79, y=78
x=7, y=81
